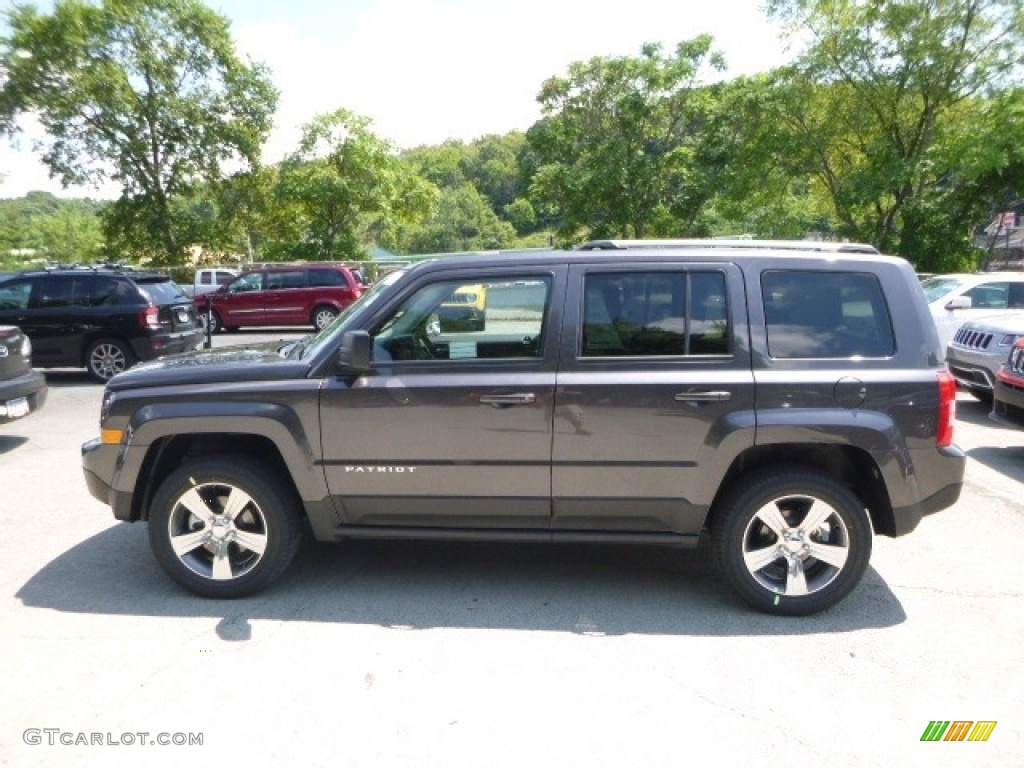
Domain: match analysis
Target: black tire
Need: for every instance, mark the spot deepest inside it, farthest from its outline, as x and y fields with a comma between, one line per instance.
x=216, y=324
x=322, y=316
x=771, y=550
x=105, y=358
x=207, y=556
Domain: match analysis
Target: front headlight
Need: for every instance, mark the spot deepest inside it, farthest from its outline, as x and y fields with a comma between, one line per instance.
x=1008, y=340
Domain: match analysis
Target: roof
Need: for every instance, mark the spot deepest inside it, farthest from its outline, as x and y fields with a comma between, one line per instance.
x=821, y=246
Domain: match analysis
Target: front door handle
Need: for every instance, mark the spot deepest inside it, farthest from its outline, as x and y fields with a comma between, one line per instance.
x=516, y=398
x=702, y=397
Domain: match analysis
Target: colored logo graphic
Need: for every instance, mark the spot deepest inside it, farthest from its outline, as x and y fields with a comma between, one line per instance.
x=959, y=730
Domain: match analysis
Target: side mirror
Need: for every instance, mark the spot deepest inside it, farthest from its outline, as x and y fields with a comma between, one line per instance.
x=959, y=302
x=355, y=352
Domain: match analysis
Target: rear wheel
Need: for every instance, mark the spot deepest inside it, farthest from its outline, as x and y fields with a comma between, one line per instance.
x=223, y=527
x=108, y=357
x=792, y=542
x=323, y=316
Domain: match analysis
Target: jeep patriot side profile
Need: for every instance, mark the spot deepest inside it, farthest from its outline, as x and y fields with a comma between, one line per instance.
x=789, y=403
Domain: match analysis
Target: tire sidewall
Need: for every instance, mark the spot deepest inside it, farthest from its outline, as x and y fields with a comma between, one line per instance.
x=738, y=511
x=124, y=349
x=322, y=309
x=277, y=503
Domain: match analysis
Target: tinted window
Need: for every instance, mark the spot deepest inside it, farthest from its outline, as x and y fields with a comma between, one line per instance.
x=14, y=295
x=1001, y=295
x=466, y=320
x=655, y=314
x=324, y=277
x=291, y=279
x=826, y=314
x=162, y=292
x=250, y=282
x=60, y=291
x=110, y=291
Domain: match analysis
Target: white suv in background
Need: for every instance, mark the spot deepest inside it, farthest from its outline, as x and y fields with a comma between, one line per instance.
x=980, y=347
x=955, y=299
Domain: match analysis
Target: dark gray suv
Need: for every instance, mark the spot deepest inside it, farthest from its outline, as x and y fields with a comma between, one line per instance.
x=788, y=404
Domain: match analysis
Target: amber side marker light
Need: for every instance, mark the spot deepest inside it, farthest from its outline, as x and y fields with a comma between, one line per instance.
x=111, y=436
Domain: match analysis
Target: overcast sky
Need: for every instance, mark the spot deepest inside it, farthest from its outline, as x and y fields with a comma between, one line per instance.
x=428, y=70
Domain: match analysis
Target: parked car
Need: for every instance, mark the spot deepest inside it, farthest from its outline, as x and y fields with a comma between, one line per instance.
x=209, y=279
x=785, y=405
x=22, y=389
x=979, y=348
x=105, y=320
x=312, y=294
x=955, y=299
x=1008, y=396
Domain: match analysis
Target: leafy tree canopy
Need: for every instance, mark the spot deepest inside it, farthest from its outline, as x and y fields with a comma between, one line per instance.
x=147, y=93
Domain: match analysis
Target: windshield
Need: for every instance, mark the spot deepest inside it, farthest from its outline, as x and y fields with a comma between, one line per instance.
x=337, y=327
x=937, y=287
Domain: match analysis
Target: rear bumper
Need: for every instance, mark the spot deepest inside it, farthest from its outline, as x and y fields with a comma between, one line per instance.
x=31, y=386
x=161, y=344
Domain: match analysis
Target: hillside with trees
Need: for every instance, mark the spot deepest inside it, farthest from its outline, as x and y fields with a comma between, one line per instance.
x=899, y=125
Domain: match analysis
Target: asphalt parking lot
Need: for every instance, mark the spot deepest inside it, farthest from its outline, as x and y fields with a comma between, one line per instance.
x=451, y=655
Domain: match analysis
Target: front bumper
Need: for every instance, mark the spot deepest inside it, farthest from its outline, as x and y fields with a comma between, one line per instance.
x=1008, y=403
x=974, y=370
x=99, y=465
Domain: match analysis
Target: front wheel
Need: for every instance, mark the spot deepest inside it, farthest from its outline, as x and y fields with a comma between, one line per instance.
x=792, y=542
x=224, y=527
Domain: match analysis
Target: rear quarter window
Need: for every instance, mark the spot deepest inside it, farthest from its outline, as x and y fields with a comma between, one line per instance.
x=815, y=314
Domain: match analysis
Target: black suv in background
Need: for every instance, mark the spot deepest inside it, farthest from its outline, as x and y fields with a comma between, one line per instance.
x=786, y=403
x=105, y=320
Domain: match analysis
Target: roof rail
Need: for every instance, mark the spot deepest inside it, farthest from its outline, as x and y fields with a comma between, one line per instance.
x=788, y=245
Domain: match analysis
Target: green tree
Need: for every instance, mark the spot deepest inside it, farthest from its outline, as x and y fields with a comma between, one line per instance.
x=618, y=149
x=43, y=226
x=874, y=105
x=341, y=175
x=462, y=221
x=147, y=93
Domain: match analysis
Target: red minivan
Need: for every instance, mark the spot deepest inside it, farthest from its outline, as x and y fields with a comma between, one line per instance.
x=308, y=294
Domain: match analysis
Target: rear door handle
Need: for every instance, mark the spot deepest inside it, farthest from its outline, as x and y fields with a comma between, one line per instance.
x=702, y=397
x=516, y=398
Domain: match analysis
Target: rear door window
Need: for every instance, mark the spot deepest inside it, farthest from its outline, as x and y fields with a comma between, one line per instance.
x=655, y=314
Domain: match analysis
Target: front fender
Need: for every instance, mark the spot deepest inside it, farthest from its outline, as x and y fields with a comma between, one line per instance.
x=275, y=422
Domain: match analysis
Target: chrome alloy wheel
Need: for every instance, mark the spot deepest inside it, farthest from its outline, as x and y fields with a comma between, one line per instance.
x=107, y=359
x=217, y=531
x=322, y=317
x=795, y=545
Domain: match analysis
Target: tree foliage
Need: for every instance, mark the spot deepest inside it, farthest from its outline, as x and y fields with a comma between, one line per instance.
x=619, y=149
x=342, y=175
x=147, y=93
x=41, y=226
x=873, y=109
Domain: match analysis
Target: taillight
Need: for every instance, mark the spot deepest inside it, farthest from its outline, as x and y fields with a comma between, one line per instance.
x=150, y=317
x=947, y=409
